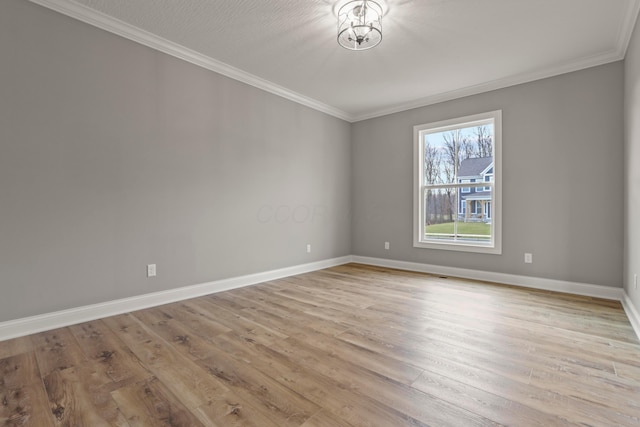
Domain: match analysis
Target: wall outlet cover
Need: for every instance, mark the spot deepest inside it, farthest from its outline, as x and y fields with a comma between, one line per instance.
x=151, y=270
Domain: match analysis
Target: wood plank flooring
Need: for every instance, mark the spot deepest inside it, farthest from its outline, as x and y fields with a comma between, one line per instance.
x=348, y=346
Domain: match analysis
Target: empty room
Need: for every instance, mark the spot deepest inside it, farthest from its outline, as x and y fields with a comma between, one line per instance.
x=321, y=213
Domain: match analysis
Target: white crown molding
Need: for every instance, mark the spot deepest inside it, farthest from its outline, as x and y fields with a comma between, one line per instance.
x=584, y=289
x=626, y=28
x=632, y=313
x=115, y=26
x=618, y=53
x=578, y=65
x=45, y=322
x=128, y=31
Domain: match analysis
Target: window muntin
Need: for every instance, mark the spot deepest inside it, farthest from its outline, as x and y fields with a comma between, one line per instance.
x=457, y=184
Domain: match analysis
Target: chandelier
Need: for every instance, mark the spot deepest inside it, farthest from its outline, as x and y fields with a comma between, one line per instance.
x=360, y=25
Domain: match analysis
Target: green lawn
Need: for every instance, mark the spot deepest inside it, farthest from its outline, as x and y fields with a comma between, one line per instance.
x=477, y=228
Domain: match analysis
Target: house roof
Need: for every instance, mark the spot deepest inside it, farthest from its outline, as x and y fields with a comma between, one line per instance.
x=474, y=167
x=481, y=195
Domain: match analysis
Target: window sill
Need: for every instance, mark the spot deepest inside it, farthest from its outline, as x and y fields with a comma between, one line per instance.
x=492, y=249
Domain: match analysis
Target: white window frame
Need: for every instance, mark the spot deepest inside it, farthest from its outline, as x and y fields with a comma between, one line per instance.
x=494, y=246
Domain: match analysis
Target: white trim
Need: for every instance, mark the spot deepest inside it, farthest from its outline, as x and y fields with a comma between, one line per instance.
x=48, y=321
x=575, y=288
x=128, y=31
x=580, y=64
x=626, y=29
x=420, y=240
x=44, y=322
x=115, y=26
x=632, y=313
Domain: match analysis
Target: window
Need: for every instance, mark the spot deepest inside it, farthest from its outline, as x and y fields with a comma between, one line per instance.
x=465, y=189
x=487, y=178
x=457, y=184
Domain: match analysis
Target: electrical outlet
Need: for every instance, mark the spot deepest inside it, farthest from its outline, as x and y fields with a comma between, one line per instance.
x=386, y=245
x=528, y=258
x=309, y=248
x=151, y=270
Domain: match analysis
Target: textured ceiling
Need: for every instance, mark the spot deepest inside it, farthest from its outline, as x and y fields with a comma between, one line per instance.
x=432, y=50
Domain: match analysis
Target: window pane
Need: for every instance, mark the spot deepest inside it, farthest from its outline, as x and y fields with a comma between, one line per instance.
x=440, y=158
x=460, y=217
x=441, y=213
x=454, y=154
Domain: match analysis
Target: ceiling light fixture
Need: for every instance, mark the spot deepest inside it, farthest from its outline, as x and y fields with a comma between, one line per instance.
x=360, y=25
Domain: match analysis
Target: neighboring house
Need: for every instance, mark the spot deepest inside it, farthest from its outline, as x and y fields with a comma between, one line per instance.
x=474, y=203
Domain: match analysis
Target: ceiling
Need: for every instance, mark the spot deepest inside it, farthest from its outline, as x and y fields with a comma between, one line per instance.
x=431, y=51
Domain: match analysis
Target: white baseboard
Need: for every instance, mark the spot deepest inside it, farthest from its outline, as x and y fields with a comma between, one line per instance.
x=584, y=289
x=34, y=324
x=632, y=313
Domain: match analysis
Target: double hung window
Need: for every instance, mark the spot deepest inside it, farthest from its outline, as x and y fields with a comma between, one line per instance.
x=457, y=184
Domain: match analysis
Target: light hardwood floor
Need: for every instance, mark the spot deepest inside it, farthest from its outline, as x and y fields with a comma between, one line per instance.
x=347, y=346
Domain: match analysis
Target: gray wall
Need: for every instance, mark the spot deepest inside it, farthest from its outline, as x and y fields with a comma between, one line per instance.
x=632, y=167
x=562, y=179
x=114, y=156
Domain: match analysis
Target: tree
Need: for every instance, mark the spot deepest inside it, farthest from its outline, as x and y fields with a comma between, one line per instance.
x=431, y=176
x=457, y=147
x=431, y=164
x=483, y=142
